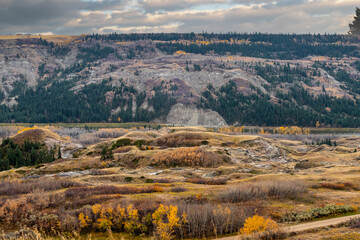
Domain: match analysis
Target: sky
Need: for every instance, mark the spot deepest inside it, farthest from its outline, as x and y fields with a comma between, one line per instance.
x=74, y=17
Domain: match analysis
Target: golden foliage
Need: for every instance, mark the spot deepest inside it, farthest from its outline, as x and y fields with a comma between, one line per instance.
x=84, y=220
x=165, y=219
x=105, y=218
x=258, y=224
x=293, y=130
x=180, y=52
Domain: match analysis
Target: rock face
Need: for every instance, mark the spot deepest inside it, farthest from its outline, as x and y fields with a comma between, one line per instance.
x=189, y=115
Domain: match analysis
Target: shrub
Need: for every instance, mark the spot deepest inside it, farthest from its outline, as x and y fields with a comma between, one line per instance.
x=305, y=165
x=334, y=186
x=337, y=186
x=314, y=213
x=128, y=179
x=219, y=181
x=193, y=156
x=106, y=153
x=354, y=223
x=163, y=180
x=140, y=143
x=121, y=143
x=261, y=190
x=258, y=224
x=204, y=143
x=27, y=186
x=149, y=180
x=178, y=189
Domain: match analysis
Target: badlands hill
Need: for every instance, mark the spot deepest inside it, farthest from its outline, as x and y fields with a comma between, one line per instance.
x=188, y=79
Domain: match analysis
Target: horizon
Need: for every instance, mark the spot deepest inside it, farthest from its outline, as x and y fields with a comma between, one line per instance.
x=155, y=16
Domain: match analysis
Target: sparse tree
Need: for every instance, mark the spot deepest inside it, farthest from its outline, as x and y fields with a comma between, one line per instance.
x=355, y=25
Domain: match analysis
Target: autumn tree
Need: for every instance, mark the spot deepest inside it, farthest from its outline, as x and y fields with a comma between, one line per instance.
x=355, y=25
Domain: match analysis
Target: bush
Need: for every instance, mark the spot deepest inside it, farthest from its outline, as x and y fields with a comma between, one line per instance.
x=220, y=181
x=121, y=143
x=163, y=180
x=305, y=165
x=262, y=190
x=149, y=181
x=355, y=223
x=258, y=224
x=128, y=179
x=337, y=186
x=27, y=186
x=178, y=189
x=140, y=143
x=314, y=213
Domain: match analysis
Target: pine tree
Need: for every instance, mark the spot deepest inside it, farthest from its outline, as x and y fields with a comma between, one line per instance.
x=355, y=25
x=104, y=151
x=19, y=158
x=59, y=153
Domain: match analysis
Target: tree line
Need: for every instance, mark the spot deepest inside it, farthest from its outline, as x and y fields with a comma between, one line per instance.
x=29, y=153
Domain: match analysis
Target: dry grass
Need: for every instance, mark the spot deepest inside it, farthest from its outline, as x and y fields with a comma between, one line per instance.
x=35, y=135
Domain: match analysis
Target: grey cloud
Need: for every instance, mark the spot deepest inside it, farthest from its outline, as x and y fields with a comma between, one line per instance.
x=77, y=16
x=172, y=5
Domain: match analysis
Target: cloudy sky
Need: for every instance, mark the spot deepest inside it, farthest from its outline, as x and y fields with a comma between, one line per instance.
x=123, y=16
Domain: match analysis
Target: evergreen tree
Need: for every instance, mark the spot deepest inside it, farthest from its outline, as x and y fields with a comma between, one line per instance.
x=355, y=25
x=59, y=153
x=103, y=153
x=19, y=158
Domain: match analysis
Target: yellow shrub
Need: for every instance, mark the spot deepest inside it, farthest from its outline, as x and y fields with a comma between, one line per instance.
x=103, y=224
x=96, y=208
x=158, y=189
x=132, y=223
x=84, y=220
x=257, y=224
